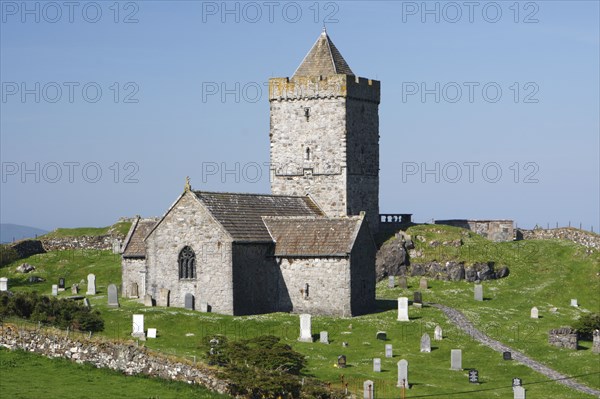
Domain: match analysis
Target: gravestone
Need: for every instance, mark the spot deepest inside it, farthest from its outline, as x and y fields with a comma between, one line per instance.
x=438, y=334
x=148, y=300
x=54, y=289
x=478, y=292
x=517, y=382
x=75, y=289
x=138, y=326
x=474, y=376
x=519, y=392
x=389, y=351
x=189, y=301
x=368, y=390
x=377, y=365
x=506, y=355
x=4, y=284
x=163, y=297
x=133, y=290
x=534, y=313
x=204, y=307
x=423, y=285
x=403, y=309
x=86, y=302
x=91, y=284
x=305, y=328
x=324, y=337
x=402, y=283
x=345, y=344
x=341, y=361
x=61, y=284
x=425, y=343
x=574, y=303
x=417, y=299
x=391, y=282
x=403, y=374
x=381, y=335
x=113, y=298
x=152, y=333
x=456, y=359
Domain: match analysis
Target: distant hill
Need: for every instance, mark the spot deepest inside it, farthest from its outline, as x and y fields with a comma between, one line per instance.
x=11, y=232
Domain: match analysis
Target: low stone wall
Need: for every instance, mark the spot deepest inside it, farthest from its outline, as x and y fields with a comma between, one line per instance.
x=104, y=242
x=494, y=230
x=564, y=337
x=582, y=237
x=123, y=357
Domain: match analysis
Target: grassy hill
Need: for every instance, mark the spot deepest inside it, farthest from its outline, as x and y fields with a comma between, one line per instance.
x=545, y=274
x=119, y=228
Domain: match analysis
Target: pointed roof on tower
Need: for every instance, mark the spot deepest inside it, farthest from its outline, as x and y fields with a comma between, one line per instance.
x=323, y=59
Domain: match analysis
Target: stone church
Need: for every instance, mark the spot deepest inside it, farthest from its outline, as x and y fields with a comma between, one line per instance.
x=306, y=248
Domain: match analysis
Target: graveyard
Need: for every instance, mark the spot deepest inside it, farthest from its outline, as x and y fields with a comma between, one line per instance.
x=382, y=346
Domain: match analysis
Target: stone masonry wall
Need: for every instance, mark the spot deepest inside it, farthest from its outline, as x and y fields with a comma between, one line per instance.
x=123, y=357
x=362, y=260
x=494, y=230
x=133, y=271
x=563, y=337
x=585, y=238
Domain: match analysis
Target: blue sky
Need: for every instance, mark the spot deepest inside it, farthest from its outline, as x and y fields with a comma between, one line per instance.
x=486, y=112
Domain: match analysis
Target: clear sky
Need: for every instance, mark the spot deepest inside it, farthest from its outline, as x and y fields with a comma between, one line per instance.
x=488, y=109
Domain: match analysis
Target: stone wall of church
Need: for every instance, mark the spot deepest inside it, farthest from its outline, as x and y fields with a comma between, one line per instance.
x=362, y=260
x=328, y=281
x=133, y=271
x=189, y=224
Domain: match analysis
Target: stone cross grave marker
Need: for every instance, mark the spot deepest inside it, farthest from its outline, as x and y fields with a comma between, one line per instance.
x=425, y=343
x=534, y=313
x=456, y=359
x=324, y=337
x=341, y=361
x=152, y=333
x=478, y=292
x=423, y=285
x=305, y=328
x=54, y=289
x=163, y=297
x=574, y=303
x=403, y=374
x=61, y=284
x=3, y=284
x=91, y=284
x=519, y=392
x=113, y=298
x=517, y=382
x=148, y=300
x=381, y=335
x=474, y=376
x=438, y=333
x=189, y=301
x=402, y=283
x=403, y=309
x=377, y=365
x=389, y=350
x=417, y=299
x=138, y=325
x=391, y=282
x=368, y=390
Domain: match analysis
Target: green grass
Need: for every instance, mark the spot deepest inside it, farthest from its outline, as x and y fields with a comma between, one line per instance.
x=120, y=228
x=27, y=376
x=543, y=274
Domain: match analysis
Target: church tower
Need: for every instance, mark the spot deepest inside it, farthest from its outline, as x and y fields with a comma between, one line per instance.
x=325, y=134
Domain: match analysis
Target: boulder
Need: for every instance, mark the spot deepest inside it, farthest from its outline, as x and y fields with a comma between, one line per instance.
x=390, y=257
x=456, y=271
x=25, y=268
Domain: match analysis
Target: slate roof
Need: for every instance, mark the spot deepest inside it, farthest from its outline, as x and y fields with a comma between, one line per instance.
x=323, y=59
x=241, y=214
x=134, y=243
x=313, y=236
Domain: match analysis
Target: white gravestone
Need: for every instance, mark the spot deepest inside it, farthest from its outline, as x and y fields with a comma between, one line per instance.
x=456, y=359
x=138, y=325
x=3, y=284
x=574, y=303
x=324, y=337
x=403, y=374
x=368, y=390
x=534, y=313
x=403, y=309
x=391, y=282
x=389, y=352
x=478, y=292
x=152, y=333
x=519, y=392
x=438, y=333
x=305, y=328
x=55, y=289
x=91, y=284
x=377, y=365
x=425, y=343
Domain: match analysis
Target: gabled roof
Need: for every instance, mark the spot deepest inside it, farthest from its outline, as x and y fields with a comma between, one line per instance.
x=134, y=246
x=323, y=59
x=313, y=236
x=241, y=214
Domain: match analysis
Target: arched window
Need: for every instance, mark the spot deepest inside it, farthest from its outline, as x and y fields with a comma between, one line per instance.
x=187, y=263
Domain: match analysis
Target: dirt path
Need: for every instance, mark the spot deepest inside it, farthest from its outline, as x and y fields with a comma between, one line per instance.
x=458, y=319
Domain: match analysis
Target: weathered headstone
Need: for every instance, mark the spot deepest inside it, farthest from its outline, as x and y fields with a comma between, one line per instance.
x=423, y=285
x=55, y=289
x=519, y=392
x=381, y=335
x=425, y=343
x=368, y=390
x=417, y=299
x=534, y=313
x=61, y=284
x=574, y=303
x=403, y=309
x=403, y=374
x=478, y=292
x=204, y=307
x=152, y=333
x=75, y=289
x=389, y=350
x=138, y=326
x=391, y=282
x=506, y=355
x=163, y=297
x=86, y=302
x=148, y=300
x=133, y=290
x=402, y=283
x=377, y=365
x=474, y=376
x=456, y=359
x=3, y=284
x=91, y=284
x=438, y=334
x=341, y=361
x=324, y=337
x=189, y=301
x=305, y=328
x=113, y=297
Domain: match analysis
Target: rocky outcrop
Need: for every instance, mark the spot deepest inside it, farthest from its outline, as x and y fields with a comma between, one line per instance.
x=456, y=271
